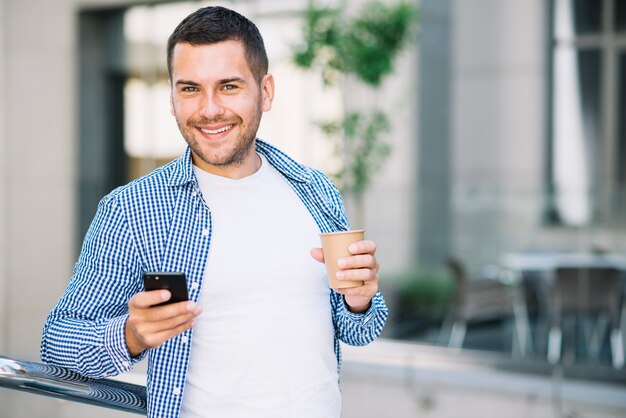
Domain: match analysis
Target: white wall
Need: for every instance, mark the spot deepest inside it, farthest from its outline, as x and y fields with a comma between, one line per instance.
x=3, y=189
x=4, y=297
x=37, y=176
x=390, y=203
x=499, y=76
x=40, y=147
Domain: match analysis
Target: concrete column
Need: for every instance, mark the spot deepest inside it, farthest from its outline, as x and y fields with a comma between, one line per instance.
x=36, y=179
x=4, y=220
x=434, y=143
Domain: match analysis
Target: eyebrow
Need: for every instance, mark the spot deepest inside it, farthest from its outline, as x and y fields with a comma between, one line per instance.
x=187, y=83
x=222, y=81
x=232, y=79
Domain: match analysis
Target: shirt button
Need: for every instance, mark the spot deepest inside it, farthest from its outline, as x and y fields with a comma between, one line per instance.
x=184, y=339
x=195, y=285
x=176, y=391
x=194, y=194
x=205, y=232
x=125, y=364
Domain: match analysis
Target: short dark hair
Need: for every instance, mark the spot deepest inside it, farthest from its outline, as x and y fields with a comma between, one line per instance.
x=213, y=24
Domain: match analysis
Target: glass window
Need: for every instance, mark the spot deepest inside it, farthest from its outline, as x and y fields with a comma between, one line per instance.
x=576, y=111
x=577, y=17
x=621, y=128
x=582, y=148
x=587, y=16
x=620, y=15
x=151, y=137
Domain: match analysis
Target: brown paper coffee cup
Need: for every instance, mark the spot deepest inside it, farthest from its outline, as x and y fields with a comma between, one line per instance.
x=335, y=245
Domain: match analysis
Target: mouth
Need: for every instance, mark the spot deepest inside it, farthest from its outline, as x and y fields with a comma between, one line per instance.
x=216, y=131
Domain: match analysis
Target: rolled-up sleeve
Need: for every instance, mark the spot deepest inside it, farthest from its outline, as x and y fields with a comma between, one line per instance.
x=85, y=331
x=350, y=328
x=362, y=328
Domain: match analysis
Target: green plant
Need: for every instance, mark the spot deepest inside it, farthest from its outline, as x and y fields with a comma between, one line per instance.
x=365, y=46
x=428, y=292
x=361, y=137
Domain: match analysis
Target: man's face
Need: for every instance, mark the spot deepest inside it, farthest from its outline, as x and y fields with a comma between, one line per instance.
x=218, y=104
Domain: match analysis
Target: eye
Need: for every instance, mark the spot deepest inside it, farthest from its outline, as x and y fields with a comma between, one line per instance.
x=229, y=87
x=189, y=89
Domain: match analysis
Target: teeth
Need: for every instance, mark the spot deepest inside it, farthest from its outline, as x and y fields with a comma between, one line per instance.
x=217, y=131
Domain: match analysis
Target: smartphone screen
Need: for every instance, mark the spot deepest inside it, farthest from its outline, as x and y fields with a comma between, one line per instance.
x=176, y=283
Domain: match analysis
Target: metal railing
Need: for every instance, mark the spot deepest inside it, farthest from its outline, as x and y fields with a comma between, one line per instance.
x=57, y=382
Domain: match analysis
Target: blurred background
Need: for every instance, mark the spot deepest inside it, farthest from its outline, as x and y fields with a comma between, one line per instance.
x=481, y=143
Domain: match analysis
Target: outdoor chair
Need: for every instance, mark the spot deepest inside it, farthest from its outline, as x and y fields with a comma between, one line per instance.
x=492, y=297
x=592, y=299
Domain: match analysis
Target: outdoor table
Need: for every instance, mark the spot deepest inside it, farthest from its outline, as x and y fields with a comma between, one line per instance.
x=537, y=269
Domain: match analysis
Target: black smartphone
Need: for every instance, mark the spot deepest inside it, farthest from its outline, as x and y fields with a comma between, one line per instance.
x=176, y=283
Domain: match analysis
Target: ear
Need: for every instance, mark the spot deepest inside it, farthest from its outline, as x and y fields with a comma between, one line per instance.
x=267, y=92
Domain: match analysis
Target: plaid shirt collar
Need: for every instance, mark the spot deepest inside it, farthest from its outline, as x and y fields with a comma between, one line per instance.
x=183, y=171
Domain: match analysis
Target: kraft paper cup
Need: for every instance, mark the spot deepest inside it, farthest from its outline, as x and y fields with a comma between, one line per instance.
x=335, y=246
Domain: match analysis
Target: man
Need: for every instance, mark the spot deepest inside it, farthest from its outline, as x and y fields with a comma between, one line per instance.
x=260, y=334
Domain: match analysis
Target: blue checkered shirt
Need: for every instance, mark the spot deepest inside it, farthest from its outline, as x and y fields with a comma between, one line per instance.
x=161, y=223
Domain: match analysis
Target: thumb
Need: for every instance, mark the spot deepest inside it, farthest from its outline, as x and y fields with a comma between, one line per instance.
x=317, y=254
x=147, y=299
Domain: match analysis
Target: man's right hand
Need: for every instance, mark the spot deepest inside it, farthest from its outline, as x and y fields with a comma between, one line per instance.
x=149, y=326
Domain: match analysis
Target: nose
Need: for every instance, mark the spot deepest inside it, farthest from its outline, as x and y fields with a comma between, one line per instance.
x=211, y=106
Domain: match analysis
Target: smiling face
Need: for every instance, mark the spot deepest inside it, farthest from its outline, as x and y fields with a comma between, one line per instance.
x=218, y=103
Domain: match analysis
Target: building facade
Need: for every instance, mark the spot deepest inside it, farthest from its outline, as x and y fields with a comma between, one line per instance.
x=475, y=170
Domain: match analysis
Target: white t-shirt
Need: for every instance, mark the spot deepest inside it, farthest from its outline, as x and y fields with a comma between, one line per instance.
x=263, y=345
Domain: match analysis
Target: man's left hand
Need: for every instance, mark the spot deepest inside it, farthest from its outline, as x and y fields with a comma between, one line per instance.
x=361, y=265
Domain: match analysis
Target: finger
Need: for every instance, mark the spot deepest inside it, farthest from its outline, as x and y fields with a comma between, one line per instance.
x=317, y=254
x=143, y=300
x=362, y=247
x=156, y=327
x=145, y=330
x=366, y=275
x=358, y=261
x=161, y=313
x=367, y=290
x=156, y=339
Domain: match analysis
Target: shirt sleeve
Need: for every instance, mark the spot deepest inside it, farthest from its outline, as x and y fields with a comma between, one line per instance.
x=350, y=328
x=362, y=328
x=85, y=331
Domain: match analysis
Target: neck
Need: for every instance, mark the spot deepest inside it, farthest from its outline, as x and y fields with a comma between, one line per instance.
x=249, y=165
